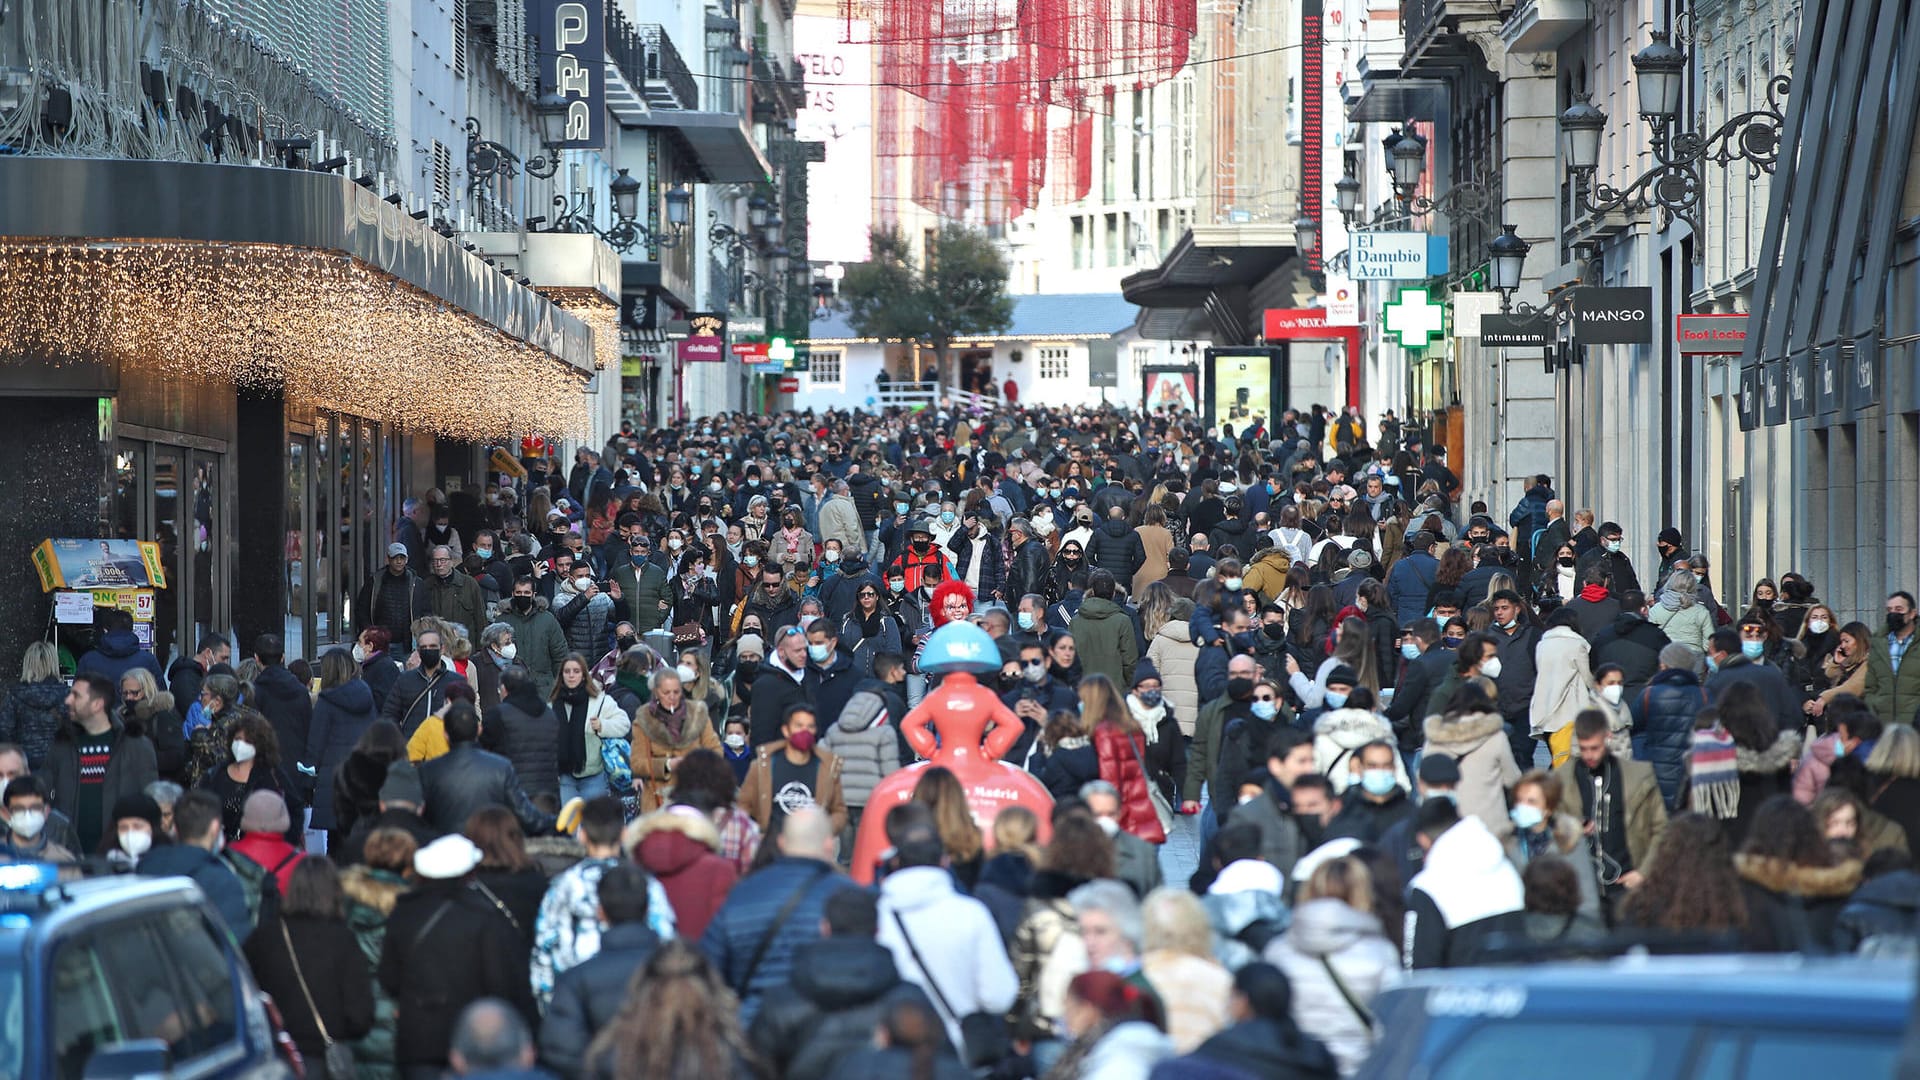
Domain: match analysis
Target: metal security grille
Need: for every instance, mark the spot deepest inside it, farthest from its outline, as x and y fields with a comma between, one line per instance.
x=442, y=173
x=460, y=38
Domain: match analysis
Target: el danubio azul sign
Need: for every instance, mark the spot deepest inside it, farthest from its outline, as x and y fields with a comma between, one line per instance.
x=1396, y=256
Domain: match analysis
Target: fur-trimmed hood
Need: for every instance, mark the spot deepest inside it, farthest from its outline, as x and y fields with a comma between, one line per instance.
x=1463, y=732
x=1351, y=729
x=684, y=820
x=656, y=732
x=160, y=702
x=370, y=888
x=1776, y=758
x=1814, y=882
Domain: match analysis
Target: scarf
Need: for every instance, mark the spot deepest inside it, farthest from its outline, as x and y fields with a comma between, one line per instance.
x=1672, y=600
x=1148, y=719
x=1593, y=594
x=673, y=721
x=572, y=707
x=1715, y=777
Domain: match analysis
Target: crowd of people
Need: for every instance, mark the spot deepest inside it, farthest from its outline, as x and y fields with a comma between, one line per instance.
x=581, y=793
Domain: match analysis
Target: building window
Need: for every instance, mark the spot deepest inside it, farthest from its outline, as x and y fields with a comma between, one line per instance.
x=442, y=173
x=1079, y=243
x=826, y=370
x=1142, y=355
x=1113, y=239
x=1054, y=364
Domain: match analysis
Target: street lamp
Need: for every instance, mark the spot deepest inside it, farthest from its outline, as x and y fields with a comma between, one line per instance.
x=679, y=207
x=551, y=110
x=1509, y=257
x=1346, y=196
x=626, y=196
x=1408, y=160
x=1306, y=233
x=1661, y=70
x=1676, y=181
x=1580, y=128
x=757, y=208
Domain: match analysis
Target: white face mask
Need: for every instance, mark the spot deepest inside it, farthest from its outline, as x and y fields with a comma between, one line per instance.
x=359, y=654
x=1108, y=825
x=507, y=651
x=686, y=673
x=1612, y=693
x=1491, y=668
x=243, y=751
x=1818, y=626
x=135, y=842
x=28, y=823
x=736, y=740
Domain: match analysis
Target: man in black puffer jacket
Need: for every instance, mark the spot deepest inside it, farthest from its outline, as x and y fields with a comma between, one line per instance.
x=1663, y=716
x=842, y=987
x=283, y=699
x=1116, y=547
x=588, y=995
x=524, y=729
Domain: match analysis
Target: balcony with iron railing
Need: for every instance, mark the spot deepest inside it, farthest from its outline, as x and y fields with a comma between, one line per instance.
x=778, y=89
x=647, y=59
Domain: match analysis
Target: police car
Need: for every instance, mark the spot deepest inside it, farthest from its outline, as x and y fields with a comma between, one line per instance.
x=124, y=977
x=1650, y=1018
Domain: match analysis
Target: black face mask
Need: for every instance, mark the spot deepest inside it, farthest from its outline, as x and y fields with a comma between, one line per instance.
x=747, y=670
x=1239, y=689
x=627, y=641
x=1568, y=561
x=429, y=658
x=921, y=546
x=1275, y=630
x=1896, y=622
x=522, y=604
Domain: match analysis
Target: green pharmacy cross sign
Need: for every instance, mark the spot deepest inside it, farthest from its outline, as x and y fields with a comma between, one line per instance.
x=1415, y=319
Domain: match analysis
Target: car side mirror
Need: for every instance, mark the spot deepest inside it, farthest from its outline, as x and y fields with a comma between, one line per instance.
x=135, y=1059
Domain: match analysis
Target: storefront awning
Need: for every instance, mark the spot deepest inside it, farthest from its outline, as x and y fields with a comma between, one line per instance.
x=719, y=142
x=1200, y=290
x=277, y=277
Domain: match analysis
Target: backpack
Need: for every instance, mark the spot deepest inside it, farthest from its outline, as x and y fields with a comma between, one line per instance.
x=261, y=885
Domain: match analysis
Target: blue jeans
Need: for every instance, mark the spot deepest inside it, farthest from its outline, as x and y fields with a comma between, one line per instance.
x=582, y=787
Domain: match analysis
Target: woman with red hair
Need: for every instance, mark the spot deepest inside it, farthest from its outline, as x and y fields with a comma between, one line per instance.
x=1116, y=1029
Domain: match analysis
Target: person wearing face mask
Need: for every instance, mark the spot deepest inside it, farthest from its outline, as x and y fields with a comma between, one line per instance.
x=254, y=764
x=1611, y=558
x=832, y=668
x=1737, y=657
x=923, y=564
x=792, y=772
x=540, y=642
x=1542, y=829
x=1426, y=661
x=451, y=594
x=1070, y=561
x=1375, y=799
x=26, y=838
x=421, y=690
x=1893, y=689
x=1243, y=739
x=645, y=598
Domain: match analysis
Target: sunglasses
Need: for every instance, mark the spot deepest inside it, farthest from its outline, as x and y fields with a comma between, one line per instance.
x=1264, y=697
x=786, y=632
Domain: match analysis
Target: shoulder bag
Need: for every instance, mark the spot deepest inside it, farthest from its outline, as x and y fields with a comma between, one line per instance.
x=779, y=923
x=987, y=1038
x=1162, y=809
x=1364, y=1014
x=339, y=1056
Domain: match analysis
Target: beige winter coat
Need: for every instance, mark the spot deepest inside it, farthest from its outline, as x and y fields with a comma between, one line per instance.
x=1478, y=743
x=1157, y=542
x=1172, y=651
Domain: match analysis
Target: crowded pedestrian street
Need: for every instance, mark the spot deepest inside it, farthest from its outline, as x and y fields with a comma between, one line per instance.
x=866, y=540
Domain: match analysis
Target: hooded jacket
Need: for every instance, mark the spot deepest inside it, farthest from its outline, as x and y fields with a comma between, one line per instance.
x=116, y=653
x=1478, y=743
x=341, y=714
x=288, y=703
x=1267, y=574
x=1117, y=549
x=1173, y=652
x=1562, y=685
x=1633, y=643
x=1881, y=917
x=1256, y=1049
x=446, y=947
x=957, y=938
x=1763, y=774
x=371, y=895
x=1327, y=932
x=539, y=642
x=527, y=733
x=1338, y=735
x=1793, y=908
x=680, y=846
x=841, y=991
x=1107, y=640
x=1663, y=715
x=1246, y=911
x=1467, y=893
x=865, y=739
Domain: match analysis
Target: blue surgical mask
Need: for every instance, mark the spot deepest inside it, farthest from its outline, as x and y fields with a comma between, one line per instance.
x=1336, y=700
x=819, y=653
x=1231, y=584
x=1265, y=710
x=1753, y=650
x=1712, y=664
x=1378, y=782
x=1613, y=547
x=1026, y=620
x=1525, y=817
x=901, y=508
x=1409, y=650
x=946, y=517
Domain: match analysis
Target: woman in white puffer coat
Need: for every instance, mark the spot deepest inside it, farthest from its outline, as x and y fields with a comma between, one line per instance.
x=1338, y=959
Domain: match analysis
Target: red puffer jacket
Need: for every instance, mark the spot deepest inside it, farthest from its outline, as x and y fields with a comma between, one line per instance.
x=1120, y=765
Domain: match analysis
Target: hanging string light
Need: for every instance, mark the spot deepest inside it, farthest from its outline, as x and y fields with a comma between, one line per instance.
x=592, y=307
x=327, y=330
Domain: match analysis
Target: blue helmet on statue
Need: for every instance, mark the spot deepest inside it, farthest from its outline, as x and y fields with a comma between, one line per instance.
x=960, y=646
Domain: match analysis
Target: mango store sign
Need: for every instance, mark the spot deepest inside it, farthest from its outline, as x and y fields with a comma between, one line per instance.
x=1711, y=335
